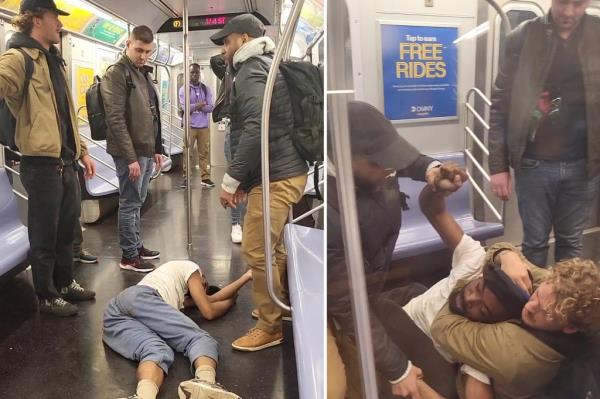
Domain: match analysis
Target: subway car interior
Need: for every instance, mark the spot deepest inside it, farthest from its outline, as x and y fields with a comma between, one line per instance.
x=45, y=357
x=439, y=101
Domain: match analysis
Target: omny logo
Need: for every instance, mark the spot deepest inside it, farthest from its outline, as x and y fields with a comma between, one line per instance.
x=421, y=110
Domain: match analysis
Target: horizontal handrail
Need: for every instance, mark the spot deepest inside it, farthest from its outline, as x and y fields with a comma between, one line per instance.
x=470, y=133
x=103, y=163
x=475, y=90
x=307, y=214
x=477, y=164
x=104, y=178
x=485, y=198
x=479, y=117
x=476, y=139
x=18, y=174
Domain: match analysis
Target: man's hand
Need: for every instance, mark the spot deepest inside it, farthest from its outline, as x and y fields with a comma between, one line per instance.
x=227, y=199
x=158, y=161
x=134, y=171
x=407, y=388
x=248, y=274
x=502, y=185
x=240, y=197
x=90, y=166
x=515, y=267
x=200, y=105
x=447, y=178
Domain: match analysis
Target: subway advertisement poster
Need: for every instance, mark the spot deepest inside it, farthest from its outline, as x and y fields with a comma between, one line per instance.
x=419, y=71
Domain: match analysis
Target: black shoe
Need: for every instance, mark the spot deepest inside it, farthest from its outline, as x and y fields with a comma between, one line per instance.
x=74, y=292
x=183, y=184
x=136, y=264
x=207, y=183
x=57, y=307
x=85, y=257
x=146, y=253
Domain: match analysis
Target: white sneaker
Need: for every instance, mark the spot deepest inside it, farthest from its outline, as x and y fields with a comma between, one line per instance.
x=236, y=233
x=199, y=389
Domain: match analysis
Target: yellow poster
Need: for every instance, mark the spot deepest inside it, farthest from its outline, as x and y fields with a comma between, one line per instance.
x=76, y=22
x=12, y=5
x=84, y=77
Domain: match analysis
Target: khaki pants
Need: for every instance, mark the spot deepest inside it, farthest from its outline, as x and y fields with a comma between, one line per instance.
x=201, y=139
x=336, y=372
x=284, y=194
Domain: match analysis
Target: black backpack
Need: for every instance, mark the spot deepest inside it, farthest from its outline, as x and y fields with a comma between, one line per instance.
x=8, y=122
x=305, y=85
x=95, y=106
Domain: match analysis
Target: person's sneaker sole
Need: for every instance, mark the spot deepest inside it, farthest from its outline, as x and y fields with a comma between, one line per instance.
x=135, y=269
x=284, y=318
x=207, y=185
x=146, y=257
x=189, y=390
x=59, y=314
x=257, y=348
x=80, y=260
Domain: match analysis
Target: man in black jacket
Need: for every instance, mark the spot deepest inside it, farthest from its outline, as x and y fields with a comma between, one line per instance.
x=250, y=53
x=379, y=157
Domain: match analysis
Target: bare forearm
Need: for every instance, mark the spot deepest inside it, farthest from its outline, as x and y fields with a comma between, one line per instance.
x=230, y=290
x=432, y=203
x=219, y=308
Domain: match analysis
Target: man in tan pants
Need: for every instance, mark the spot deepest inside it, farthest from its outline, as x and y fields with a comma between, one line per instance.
x=250, y=53
x=201, y=104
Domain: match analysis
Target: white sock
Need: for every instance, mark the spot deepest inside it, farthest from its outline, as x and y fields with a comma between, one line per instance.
x=146, y=389
x=206, y=373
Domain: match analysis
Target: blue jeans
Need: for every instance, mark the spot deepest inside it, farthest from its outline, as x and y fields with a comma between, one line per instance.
x=139, y=325
x=237, y=214
x=132, y=195
x=554, y=195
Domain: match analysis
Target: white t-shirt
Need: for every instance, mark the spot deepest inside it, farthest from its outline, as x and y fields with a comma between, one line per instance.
x=467, y=262
x=170, y=280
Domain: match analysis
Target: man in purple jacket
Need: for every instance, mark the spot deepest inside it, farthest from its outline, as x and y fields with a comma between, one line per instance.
x=201, y=104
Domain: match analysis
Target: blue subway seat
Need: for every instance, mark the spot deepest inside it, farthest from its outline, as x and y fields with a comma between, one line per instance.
x=97, y=187
x=305, y=268
x=418, y=237
x=14, y=241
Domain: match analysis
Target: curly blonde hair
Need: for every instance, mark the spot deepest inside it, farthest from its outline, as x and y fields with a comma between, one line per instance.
x=576, y=285
x=24, y=22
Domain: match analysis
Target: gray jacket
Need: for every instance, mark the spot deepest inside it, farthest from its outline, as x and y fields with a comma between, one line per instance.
x=246, y=111
x=131, y=126
x=524, y=69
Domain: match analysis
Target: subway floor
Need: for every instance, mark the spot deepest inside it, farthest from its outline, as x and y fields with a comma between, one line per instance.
x=42, y=357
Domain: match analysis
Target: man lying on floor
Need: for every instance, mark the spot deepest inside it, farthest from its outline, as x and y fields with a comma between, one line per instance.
x=144, y=323
x=491, y=296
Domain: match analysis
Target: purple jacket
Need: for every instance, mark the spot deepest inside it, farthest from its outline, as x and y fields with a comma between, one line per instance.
x=198, y=119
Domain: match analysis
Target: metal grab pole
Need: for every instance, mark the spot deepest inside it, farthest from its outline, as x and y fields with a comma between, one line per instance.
x=502, y=14
x=338, y=91
x=186, y=124
x=288, y=32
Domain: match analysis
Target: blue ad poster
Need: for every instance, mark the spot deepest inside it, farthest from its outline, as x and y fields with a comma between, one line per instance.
x=419, y=71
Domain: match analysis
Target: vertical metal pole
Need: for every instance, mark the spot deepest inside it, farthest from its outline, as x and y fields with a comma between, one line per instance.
x=338, y=90
x=288, y=33
x=186, y=124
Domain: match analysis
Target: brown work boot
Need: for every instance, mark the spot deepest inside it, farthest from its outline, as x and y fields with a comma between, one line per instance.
x=257, y=339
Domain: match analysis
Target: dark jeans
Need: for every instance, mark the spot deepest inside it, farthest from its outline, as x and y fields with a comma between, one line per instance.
x=554, y=195
x=78, y=238
x=53, y=208
x=132, y=195
x=438, y=373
